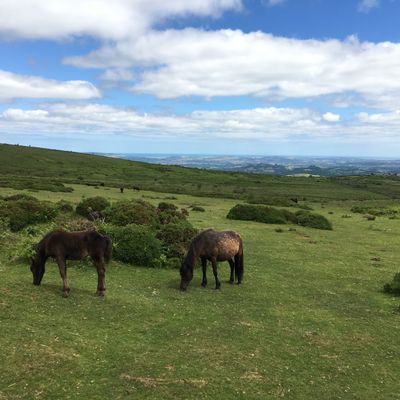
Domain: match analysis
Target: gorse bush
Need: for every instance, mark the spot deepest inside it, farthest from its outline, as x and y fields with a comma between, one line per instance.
x=176, y=237
x=134, y=244
x=312, y=220
x=127, y=212
x=21, y=211
x=86, y=206
x=270, y=215
x=394, y=286
x=378, y=212
x=164, y=206
x=64, y=206
x=198, y=209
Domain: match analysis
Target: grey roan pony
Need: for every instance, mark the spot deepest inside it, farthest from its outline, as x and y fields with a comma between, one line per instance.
x=63, y=246
x=213, y=246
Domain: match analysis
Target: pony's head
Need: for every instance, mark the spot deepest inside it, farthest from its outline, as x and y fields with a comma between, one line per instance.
x=37, y=269
x=186, y=275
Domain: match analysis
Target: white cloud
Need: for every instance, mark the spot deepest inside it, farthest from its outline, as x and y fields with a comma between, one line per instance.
x=188, y=62
x=13, y=86
x=105, y=19
x=261, y=123
x=117, y=74
x=265, y=124
x=331, y=117
x=367, y=5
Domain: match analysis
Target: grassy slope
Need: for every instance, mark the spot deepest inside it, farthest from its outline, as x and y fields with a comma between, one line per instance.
x=34, y=164
x=310, y=320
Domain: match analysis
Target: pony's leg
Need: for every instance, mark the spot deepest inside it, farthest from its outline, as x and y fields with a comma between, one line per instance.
x=238, y=268
x=101, y=273
x=204, y=267
x=232, y=265
x=62, y=266
x=214, y=267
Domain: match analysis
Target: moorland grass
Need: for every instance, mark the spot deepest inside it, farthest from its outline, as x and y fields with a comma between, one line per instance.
x=37, y=169
x=310, y=320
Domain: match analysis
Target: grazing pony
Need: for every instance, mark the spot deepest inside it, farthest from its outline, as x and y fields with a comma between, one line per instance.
x=64, y=246
x=213, y=246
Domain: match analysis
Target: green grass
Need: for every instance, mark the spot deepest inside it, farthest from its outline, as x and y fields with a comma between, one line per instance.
x=38, y=169
x=310, y=320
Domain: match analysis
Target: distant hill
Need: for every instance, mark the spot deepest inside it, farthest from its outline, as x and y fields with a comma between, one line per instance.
x=275, y=165
x=37, y=168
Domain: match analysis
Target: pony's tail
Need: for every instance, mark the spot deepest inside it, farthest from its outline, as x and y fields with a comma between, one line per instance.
x=108, y=250
x=241, y=263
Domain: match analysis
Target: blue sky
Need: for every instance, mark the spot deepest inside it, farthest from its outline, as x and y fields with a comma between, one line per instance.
x=296, y=77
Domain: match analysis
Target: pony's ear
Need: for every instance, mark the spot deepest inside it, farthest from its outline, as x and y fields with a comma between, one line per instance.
x=31, y=259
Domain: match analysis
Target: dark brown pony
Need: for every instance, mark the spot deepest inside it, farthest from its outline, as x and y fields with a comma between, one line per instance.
x=64, y=246
x=213, y=246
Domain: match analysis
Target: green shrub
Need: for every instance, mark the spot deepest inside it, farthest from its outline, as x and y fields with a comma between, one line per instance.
x=268, y=215
x=176, y=238
x=312, y=220
x=394, y=286
x=134, y=244
x=25, y=211
x=198, y=209
x=271, y=201
x=86, y=206
x=20, y=196
x=377, y=212
x=164, y=206
x=64, y=206
x=127, y=212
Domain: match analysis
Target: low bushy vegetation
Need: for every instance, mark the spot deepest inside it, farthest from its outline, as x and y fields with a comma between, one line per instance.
x=86, y=206
x=126, y=212
x=20, y=183
x=375, y=211
x=198, y=209
x=134, y=244
x=394, y=286
x=271, y=201
x=271, y=215
x=312, y=220
x=176, y=238
x=22, y=210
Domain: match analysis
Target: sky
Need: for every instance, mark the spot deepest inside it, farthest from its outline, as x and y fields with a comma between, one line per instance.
x=263, y=77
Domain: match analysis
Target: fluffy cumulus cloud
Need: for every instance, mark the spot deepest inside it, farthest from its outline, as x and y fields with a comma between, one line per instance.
x=13, y=86
x=331, y=117
x=261, y=123
x=268, y=123
x=176, y=63
x=104, y=19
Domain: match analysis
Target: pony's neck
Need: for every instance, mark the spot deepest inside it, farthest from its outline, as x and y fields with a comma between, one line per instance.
x=40, y=256
x=191, y=257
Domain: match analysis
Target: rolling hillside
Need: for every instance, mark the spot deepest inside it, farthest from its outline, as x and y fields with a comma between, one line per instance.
x=42, y=169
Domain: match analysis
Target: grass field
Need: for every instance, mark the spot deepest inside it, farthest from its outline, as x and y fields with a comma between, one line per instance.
x=28, y=167
x=309, y=322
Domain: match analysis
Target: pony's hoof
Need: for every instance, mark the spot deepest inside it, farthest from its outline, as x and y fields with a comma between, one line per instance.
x=100, y=293
x=204, y=284
x=65, y=294
x=231, y=282
x=218, y=287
